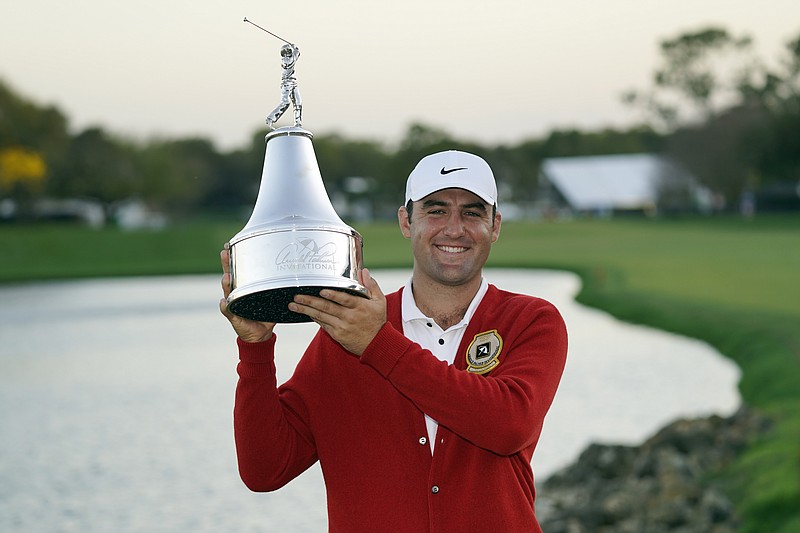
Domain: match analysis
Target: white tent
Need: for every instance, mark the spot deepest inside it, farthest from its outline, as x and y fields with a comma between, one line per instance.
x=610, y=182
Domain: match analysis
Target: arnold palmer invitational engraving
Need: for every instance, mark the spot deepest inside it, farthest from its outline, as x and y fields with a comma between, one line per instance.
x=307, y=254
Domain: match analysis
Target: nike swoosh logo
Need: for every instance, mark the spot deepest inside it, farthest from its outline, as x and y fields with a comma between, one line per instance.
x=449, y=170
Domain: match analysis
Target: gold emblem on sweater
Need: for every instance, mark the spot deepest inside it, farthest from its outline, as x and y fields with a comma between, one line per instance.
x=483, y=352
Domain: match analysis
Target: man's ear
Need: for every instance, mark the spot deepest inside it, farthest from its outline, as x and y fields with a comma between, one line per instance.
x=496, y=226
x=404, y=221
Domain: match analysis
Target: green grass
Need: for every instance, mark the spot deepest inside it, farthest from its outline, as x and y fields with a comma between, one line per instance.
x=731, y=282
x=32, y=252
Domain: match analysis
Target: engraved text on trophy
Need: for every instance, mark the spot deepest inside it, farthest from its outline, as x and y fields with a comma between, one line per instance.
x=307, y=254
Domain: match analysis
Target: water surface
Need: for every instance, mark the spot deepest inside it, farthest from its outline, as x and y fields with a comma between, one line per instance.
x=116, y=402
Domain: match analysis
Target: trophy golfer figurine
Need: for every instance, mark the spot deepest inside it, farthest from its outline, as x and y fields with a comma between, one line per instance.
x=289, y=92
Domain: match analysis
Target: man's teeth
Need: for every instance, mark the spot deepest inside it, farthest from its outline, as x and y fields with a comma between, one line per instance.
x=453, y=249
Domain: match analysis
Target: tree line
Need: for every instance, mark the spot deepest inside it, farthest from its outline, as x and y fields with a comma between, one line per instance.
x=713, y=107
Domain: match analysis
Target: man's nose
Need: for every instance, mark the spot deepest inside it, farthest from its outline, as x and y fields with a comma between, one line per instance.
x=454, y=226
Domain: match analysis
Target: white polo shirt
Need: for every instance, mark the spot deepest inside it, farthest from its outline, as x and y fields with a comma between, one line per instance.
x=443, y=344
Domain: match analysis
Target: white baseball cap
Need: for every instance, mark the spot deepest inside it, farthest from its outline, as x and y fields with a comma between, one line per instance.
x=452, y=169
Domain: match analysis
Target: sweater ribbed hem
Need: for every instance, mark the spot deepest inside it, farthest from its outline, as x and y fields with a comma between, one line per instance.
x=257, y=358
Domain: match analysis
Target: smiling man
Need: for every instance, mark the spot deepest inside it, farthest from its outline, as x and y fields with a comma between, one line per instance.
x=423, y=406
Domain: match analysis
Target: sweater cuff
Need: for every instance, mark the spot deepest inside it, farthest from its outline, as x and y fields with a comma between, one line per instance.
x=257, y=359
x=385, y=350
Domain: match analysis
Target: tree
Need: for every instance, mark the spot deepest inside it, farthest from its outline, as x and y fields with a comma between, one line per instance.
x=28, y=129
x=99, y=167
x=346, y=162
x=723, y=152
x=702, y=72
x=182, y=174
x=23, y=123
x=746, y=117
x=778, y=97
x=21, y=168
x=22, y=175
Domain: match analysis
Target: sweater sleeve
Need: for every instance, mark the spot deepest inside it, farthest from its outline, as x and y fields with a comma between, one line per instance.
x=502, y=411
x=273, y=441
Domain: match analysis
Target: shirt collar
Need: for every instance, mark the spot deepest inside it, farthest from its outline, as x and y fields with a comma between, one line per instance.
x=412, y=312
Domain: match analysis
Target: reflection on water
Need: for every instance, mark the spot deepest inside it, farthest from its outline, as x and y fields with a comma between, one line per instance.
x=116, y=400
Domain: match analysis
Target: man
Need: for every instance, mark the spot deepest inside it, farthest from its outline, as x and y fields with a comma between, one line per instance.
x=423, y=406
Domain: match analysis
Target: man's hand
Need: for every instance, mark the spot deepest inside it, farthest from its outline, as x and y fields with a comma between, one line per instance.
x=248, y=330
x=351, y=320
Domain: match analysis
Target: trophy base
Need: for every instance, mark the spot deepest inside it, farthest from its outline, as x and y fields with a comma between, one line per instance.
x=272, y=305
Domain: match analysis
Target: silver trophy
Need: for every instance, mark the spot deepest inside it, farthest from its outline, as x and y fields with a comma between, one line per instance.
x=294, y=242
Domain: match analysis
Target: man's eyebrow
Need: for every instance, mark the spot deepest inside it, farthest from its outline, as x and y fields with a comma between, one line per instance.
x=475, y=205
x=441, y=203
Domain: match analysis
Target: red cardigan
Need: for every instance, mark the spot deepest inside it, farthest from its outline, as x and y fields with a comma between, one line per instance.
x=363, y=420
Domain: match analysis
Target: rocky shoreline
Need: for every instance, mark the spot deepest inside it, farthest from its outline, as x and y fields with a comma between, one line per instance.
x=662, y=485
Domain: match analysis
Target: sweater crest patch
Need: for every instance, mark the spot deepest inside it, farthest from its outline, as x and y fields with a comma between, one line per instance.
x=483, y=352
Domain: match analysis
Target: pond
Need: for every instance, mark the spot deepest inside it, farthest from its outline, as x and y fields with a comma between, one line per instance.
x=116, y=402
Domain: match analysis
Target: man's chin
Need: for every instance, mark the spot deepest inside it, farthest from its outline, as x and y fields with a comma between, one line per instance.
x=454, y=277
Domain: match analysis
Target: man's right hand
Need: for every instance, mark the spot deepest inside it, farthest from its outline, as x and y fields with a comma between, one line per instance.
x=248, y=330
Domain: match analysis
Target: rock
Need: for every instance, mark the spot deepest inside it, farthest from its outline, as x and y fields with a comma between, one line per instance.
x=658, y=486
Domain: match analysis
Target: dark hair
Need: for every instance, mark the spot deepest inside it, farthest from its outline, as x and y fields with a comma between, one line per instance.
x=410, y=209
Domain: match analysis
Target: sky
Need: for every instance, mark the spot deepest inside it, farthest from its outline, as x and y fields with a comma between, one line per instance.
x=493, y=72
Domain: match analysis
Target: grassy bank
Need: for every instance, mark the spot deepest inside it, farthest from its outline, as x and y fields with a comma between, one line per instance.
x=733, y=283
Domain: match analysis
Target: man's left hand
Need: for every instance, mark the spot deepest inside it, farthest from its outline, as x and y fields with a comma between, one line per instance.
x=351, y=320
